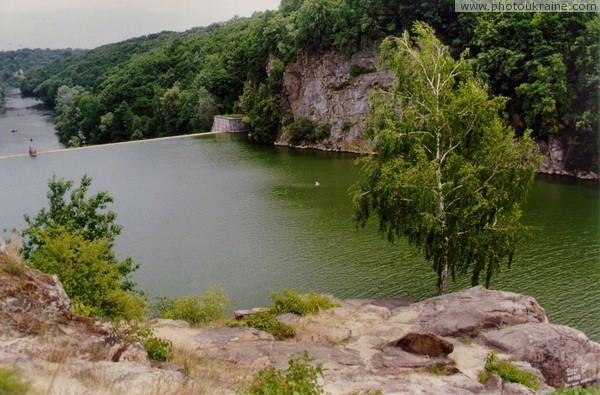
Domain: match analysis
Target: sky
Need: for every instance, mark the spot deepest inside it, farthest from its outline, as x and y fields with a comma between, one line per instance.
x=87, y=24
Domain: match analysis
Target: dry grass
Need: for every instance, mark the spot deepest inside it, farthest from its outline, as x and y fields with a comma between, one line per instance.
x=10, y=254
x=208, y=375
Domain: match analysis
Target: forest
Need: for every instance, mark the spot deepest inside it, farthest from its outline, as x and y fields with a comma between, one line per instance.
x=170, y=83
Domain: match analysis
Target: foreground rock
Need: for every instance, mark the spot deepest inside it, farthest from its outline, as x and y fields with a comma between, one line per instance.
x=62, y=353
x=396, y=346
x=437, y=346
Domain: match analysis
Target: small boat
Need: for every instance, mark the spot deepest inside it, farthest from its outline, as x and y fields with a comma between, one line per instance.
x=32, y=152
x=14, y=131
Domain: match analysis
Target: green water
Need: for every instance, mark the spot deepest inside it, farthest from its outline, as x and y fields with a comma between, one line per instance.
x=218, y=210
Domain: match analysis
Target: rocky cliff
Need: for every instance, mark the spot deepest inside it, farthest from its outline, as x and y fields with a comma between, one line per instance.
x=333, y=88
x=396, y=346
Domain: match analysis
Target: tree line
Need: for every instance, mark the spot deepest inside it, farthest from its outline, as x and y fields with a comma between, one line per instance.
x=173, y=83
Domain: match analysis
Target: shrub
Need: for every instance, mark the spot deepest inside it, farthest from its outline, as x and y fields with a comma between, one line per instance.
x=159, y=349
x=303, y=129
x=292, y=302
x=356, y=70
x=194, y=309
x=12, y=382
x=299, y=378
x=508, y=371
x=268, y=322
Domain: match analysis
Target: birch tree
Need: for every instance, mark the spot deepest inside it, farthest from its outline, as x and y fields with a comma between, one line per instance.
x=448, y=173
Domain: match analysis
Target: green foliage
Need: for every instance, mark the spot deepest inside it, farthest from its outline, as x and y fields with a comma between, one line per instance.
x=74, y=239
x=299, y=378
x=305, y=130
x=286, y=302
x=160, y=350
x=546, y=63
x=356, y=70
x=508, y=371
x=448, y=175
x=292, y=302
x=262, y=106
x=12, y=382
x=266, y=321
x=194, y=309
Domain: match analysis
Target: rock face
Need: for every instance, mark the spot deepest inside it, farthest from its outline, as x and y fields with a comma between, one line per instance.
x=555, y=154
x=333, y=88
x=62, y=353
x=463, y=313
x=565, y=356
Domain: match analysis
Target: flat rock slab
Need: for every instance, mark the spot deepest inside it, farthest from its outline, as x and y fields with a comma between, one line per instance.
x=564, y=355
x=254, y=348
x=475, y=309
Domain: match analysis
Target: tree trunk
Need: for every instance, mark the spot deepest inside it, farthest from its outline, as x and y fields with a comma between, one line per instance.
x=443, y=280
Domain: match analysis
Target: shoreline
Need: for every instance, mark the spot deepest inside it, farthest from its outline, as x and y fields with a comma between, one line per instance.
x=582, y=175
x=114, y=144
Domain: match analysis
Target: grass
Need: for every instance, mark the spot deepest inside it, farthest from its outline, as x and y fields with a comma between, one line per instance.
x=508, y=371
x=207, y=375
x=194, y=309
x=12, y=382
x=286, y=302
x=293, y=302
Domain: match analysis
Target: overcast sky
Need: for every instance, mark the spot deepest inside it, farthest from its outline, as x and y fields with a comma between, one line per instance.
x=60, y=24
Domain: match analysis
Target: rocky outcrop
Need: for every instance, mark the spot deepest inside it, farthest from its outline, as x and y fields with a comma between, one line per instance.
x=563, y=355
x=62, y=353
x=396, y=346
x=437, y=346
x=554, y=159
x=333, y=88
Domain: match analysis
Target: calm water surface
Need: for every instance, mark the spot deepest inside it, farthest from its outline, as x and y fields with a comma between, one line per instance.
x=217, y=210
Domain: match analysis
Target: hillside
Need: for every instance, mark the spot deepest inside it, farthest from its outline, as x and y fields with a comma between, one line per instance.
x=173, y=83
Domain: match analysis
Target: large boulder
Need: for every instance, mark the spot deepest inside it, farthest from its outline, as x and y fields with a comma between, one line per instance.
x=564, y=355
x=476, y=309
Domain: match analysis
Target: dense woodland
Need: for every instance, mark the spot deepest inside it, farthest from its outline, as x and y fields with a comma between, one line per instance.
x=173, y=83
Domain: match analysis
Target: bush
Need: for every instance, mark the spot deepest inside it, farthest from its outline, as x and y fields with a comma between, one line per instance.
x=194, y=309
x=303, y=129
x=159, y=349
x=12, y=382
x=299, y=378
x=356, y=70
x=268, y=322
x=292, y=302
x=508, y=371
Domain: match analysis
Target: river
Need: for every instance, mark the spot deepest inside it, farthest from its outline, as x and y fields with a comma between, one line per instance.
x=219, y=210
